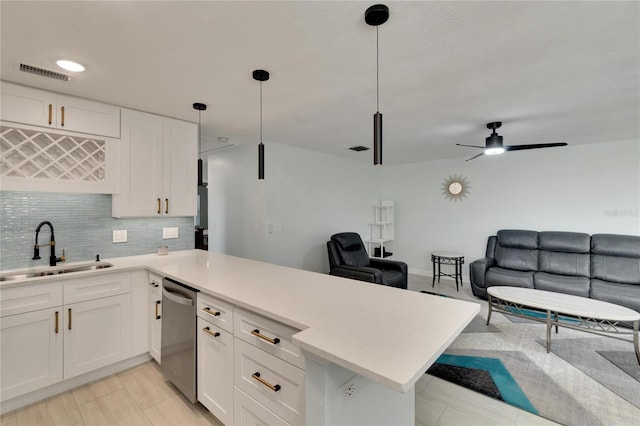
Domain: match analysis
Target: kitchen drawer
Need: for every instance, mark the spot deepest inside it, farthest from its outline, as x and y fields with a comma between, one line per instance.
x=282, y=386
x=248, y=411
x=28, y=298
x=246, y=323
x=96, y=287
x=215, y=311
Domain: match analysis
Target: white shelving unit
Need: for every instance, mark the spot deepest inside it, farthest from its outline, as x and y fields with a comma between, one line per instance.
x=380, y=243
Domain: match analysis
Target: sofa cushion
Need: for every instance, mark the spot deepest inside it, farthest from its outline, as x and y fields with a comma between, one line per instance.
x=615, y=258
x=569, y=242
x=578, y=286
x=616, y=245
x=575, y=264
x=517, y=250
x=351, y=249
x=516, y=238
x=508, y=277
x=627, y=295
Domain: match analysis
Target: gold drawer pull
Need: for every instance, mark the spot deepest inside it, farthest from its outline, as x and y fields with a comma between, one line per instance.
x=57, y=322
x=50, y=113
x=274, y=388
x=158, y=205
x=157, y=304
x=69, y=318
x=274, y=341
x=62, y=110
x=166, y=210
x=210, y=312
x=209, y=332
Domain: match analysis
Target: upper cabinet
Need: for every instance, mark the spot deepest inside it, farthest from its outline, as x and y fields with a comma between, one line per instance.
x=158, y=167
x=20, y=104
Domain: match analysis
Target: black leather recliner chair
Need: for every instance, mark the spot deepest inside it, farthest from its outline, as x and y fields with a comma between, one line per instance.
x=349, y=259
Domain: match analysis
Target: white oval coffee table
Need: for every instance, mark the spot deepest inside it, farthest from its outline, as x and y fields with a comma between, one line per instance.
x=578, y=313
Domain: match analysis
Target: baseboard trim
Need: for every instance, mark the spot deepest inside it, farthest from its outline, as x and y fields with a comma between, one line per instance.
x=65, y=385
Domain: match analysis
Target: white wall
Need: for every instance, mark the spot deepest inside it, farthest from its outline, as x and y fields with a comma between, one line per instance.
x=311, y=195
x=591, y=188
x=587, y=188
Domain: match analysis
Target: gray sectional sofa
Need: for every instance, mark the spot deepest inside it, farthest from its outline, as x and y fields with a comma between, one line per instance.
x=600, y=266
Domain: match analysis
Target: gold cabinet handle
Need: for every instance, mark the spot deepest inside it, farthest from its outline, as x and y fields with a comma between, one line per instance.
x=69, y=318
x=210, y=333
x=274, y=388
x=154, y=284
x=57, y=321
x=158, y=205
x=62, y=121
x=50, y=114
x=273, y=341
x=210, y=312
x=158, y=304
x=166, y=210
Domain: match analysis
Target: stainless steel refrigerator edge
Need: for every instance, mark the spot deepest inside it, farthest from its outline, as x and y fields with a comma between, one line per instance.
x=179, y=336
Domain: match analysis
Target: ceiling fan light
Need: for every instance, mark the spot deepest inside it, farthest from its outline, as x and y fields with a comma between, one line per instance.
x=494, y=151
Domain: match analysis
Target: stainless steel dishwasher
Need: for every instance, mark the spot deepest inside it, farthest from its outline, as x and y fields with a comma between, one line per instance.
x=178, y=355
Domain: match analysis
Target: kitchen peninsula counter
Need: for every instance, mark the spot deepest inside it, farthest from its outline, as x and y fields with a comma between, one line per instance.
x=383, y=334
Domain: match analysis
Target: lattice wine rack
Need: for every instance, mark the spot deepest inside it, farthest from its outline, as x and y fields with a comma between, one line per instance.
x=36, y=154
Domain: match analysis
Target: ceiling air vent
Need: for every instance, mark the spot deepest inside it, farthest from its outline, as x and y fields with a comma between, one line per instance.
x=358, y=148
x=42, y=72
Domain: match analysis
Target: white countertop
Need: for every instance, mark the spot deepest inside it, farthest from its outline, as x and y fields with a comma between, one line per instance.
x=389, y=335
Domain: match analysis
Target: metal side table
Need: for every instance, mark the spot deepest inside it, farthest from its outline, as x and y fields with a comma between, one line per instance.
x=439, y=258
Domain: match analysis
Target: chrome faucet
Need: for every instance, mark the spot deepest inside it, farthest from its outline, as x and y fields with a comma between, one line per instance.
x=36, y=248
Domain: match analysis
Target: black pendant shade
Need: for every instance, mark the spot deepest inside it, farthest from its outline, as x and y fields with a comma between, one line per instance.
x=377, y=15
x=377, y=138
x=260, y=75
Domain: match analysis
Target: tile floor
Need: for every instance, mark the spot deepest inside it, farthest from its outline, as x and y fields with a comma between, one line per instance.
x=440, y=403
x=141, y=396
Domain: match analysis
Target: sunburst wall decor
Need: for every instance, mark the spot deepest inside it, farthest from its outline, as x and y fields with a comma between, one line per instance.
x=455, y=188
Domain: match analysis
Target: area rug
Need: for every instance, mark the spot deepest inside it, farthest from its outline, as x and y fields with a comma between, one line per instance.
x=585, y=380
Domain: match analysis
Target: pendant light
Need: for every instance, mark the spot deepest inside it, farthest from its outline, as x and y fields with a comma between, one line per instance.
x=377, y=15
x=260, y=75
x=199, y=107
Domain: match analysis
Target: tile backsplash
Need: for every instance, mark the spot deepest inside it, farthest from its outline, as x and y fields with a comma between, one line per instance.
x=83, y=228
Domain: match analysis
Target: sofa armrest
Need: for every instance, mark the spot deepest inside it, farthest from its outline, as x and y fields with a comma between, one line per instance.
x=361, y=273
x=478, y=269
x=388, y=264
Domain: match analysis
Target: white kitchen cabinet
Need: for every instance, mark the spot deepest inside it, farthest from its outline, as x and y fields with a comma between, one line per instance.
x=215, y=370
x=97, y=333
x=53, y=332
x=139, y=312
x=22, y=104
x=154, y=312
x=31, y=351
x=158, y=167
x=248, y=411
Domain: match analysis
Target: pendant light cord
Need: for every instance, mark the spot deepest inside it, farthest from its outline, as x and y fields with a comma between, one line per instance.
x=377, y=72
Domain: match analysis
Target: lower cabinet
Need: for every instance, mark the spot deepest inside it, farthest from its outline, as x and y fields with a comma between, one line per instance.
x=96, y=334
x=215, y=371
x=46, y=337
x=155, y=316
x=248, y=411
x=30, y=351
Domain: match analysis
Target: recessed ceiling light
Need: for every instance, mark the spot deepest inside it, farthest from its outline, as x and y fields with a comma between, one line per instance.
x=70, y=65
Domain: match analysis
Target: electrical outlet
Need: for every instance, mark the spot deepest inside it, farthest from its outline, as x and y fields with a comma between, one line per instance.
x=119, y=235
x=169, y=233
x=349, y=389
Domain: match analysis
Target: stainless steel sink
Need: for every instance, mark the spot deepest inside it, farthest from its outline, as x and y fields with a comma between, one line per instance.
x=44, y=273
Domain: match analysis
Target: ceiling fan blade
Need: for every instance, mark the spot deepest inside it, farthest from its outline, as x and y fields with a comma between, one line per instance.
x=472, y=146
x=533, y=146
x=475, y=156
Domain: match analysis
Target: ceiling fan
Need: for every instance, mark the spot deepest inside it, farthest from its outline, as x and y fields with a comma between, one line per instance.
x=493, y=145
